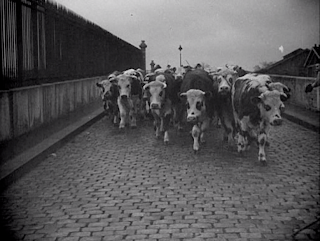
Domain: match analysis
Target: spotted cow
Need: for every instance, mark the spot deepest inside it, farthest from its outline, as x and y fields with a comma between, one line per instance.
x=196, y=94
x=130, y=93
x=256, y=108
x=109, y=95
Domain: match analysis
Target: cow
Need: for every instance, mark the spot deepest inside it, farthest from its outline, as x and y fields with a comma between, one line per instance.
x=241, y=72
x=196, y=94
x=109, y=95
x=129, y=96
x=159, y=92
x=222, y=85
x=256, y=108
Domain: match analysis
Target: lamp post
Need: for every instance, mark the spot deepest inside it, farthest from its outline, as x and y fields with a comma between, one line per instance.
x=180, y=48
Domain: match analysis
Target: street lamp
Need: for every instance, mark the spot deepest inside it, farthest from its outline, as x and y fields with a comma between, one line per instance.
x=180, y=48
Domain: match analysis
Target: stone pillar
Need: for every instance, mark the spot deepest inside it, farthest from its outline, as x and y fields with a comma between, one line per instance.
x=143, y=47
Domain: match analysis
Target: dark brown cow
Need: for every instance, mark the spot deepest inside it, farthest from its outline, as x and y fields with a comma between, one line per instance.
x=222, y=85
x=196, y=94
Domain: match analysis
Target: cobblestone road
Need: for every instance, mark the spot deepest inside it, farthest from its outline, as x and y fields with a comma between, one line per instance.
x=111, y=185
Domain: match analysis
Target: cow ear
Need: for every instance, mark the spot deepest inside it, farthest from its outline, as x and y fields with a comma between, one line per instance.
x=182, y=96
x=99, y=85
x=208, y=94
x=113, y=80
x=256, y=100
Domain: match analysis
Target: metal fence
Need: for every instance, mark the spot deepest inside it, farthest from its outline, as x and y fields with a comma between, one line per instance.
x=43, y=42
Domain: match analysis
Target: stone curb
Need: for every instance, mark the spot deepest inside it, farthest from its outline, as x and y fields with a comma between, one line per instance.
x=23, y=163
x=301, y=122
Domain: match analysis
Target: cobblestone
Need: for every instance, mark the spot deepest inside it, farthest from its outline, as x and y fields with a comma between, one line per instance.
x=111, y=185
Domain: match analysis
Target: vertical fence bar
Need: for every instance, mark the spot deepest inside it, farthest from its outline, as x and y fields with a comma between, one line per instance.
x=19, y=40
x=42, y=41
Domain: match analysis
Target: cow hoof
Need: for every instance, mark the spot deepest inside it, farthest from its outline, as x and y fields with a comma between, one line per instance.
x=133, y=127
x=263, y=163
x=166, y=143
x=195, y=152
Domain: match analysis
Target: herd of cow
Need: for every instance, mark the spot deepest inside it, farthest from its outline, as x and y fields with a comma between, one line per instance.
x=246, y=104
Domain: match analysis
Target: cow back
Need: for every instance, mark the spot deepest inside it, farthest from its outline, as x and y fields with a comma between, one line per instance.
x=242, y=95
x=136, y=88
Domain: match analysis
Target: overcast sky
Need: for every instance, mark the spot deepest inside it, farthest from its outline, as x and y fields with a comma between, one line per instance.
x=215, y=32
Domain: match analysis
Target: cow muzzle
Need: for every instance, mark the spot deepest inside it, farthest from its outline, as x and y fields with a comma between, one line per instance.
x=192, y=118
x=155, y=106
x=124, y=97
x=276, y=122
x=224, y=90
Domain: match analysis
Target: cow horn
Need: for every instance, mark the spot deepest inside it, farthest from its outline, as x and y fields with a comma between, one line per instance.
x=164, y=85
x=145, y=86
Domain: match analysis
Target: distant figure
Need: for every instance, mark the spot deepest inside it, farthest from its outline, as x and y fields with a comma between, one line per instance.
x=198, y=66
x=315, y=84
x=156, y=67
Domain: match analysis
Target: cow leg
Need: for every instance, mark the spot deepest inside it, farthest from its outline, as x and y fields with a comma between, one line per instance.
x=228, y=130
x=262, y=139
x=123, y=115
x=204, y=126
x=196, y=135
x=165, y=124
x=157, y=123
x=115, y=119
x=242, y=142
x=133, y=112
x=180, y=114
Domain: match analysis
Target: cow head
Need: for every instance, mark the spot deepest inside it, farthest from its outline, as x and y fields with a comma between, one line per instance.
x=124, y=84
x=225, y=83
x=156, y=91
x=224, y=79
x=195, y=101
x=270, y=104
x=107, y=86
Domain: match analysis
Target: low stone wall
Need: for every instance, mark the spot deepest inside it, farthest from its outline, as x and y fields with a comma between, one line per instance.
x=24, y=109
x=299, y=97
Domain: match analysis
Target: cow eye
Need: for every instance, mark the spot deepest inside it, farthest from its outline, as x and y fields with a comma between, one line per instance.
x=160, y=94
x=188, y=106
x=128, y=86
x=282, y=108
x=199, y=105
x=267, y=107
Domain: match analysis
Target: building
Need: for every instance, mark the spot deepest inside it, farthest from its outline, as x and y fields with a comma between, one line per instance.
x=300, y=62
x=312, y=59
